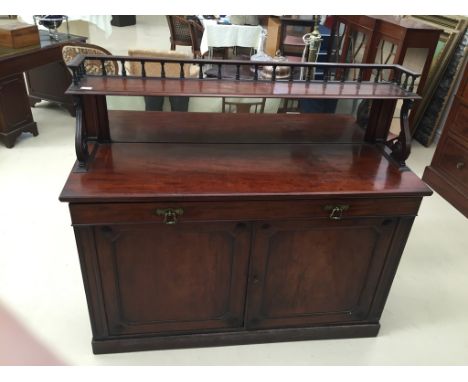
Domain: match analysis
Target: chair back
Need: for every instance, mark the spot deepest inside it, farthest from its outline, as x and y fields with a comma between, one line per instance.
x=70, y=51
x=254, y=105
x=153, y=69
x=185, y=32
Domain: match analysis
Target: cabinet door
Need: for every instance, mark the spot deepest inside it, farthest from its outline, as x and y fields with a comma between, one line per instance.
x=164, y=278
x=315, y=271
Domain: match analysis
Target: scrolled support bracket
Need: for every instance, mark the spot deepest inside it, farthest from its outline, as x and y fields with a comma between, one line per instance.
x=400, y=146
x=81, y=138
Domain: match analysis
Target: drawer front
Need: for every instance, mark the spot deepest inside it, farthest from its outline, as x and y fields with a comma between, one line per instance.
x=454, y=162
x=171, y=213
x=458, y=122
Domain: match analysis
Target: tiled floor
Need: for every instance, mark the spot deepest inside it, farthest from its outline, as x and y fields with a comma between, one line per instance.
x=42, y=301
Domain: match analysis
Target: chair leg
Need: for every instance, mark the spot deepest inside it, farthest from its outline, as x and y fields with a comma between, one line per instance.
x=172, y=46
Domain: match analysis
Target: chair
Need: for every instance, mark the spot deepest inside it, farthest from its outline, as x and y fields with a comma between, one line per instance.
x=70, y=51
x=171, y=70
x=243, y=107
x=186, y=33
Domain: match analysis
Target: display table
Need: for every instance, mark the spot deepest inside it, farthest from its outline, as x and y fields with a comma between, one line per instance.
x=226, y=36
x=46, y=76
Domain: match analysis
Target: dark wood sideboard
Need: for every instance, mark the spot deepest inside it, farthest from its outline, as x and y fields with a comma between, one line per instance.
x=208, y=229
x=448, y=172
x=46, y=76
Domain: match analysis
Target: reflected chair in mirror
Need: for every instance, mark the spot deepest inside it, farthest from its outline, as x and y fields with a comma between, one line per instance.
x=69, y=52
x=233, y=105
x=185, y=32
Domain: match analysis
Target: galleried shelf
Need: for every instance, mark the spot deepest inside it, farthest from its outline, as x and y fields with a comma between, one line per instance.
x=206, y=229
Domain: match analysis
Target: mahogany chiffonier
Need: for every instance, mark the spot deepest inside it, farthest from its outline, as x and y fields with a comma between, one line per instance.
x=206, y=229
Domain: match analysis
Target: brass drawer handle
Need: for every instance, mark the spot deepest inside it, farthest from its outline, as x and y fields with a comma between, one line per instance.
x=170, y=215
x=460, y=165
x=336, y=211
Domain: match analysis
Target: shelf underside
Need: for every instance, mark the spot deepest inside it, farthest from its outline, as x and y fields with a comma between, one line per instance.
x=171, y=171
x=231, y=88
x=181, y=127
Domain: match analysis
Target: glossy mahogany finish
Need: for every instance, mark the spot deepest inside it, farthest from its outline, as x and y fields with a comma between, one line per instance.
x=205, y=229
x=230, y=88
x=149, y=171
x=181, y=127
x=296, y=284
x=250, y=210
x=154, y=282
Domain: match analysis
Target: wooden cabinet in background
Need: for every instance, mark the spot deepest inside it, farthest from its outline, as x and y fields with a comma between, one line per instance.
x=15, y=115
x=385, y=39
x=47, y=78
x=448, y=172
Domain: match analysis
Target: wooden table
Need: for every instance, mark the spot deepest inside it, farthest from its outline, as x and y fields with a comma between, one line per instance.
x=227, y=36
x=46, y=76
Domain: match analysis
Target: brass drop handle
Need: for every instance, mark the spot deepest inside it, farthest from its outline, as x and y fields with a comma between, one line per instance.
x=170, y=215
x=336, y=211
x=460, y=165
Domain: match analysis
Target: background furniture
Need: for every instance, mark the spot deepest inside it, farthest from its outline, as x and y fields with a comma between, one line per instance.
x=448, y=172
x=432, y=112
x=231, y=105
x=292, y=29
x=383, y=39
x=123, y=20
x=273, y=32
x=227, y=36
x=156, y=103
x=201, y=229
x=69, y=52
x=185, y=32
x=46, y=76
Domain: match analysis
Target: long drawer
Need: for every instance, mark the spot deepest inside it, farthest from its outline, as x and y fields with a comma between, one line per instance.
x=105, y=213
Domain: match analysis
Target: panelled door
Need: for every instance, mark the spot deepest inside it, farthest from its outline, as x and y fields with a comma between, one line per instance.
x=162, y=278
x=315, y=271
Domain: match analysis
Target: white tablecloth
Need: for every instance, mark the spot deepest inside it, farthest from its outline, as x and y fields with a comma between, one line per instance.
x=225, y=36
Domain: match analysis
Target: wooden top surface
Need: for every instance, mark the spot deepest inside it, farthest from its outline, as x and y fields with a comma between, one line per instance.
x=124, y=172
x=230, y=88
x=45, y=42
x=153, y=126
x=407, y=23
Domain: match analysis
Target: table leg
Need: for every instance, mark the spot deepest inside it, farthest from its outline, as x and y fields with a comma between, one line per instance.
x=15, y=112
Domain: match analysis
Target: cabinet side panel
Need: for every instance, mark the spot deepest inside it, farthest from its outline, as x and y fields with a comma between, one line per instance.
x=91, y=280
